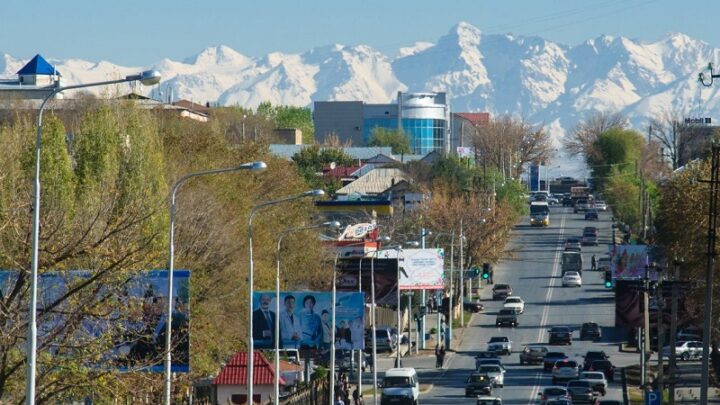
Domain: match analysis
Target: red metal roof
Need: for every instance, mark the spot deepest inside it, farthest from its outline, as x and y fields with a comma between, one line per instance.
x=235, y=371
x=475, y=118
x=339, y=171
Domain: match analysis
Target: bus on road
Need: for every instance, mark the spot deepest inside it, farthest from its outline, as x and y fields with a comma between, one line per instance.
x=539, y=213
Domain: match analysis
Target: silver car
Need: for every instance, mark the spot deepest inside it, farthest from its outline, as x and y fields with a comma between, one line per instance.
x=685, y=350
x=597, y=378
x=600, y=205
x=565, y=370
x=581, y=391
x=497, y=373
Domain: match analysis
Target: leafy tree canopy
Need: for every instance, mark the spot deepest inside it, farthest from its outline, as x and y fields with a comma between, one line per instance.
x=290, y=117
x=395, y=139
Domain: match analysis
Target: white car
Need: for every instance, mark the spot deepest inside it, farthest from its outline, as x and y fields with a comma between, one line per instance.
x=497, y=373
x=572, y=279
x=685, y=350
x=516, y=303
x=597, y=378
x=600, y=205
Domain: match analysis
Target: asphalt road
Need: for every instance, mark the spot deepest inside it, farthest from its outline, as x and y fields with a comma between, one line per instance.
x=532, y=268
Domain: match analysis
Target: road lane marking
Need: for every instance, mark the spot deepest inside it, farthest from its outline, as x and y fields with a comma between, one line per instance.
x=546, y=310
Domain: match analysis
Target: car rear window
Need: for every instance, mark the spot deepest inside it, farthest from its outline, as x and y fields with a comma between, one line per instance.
x=601, y=363
x=566, y=363
x=578, y=383
x=555, y=354
x=555, y=391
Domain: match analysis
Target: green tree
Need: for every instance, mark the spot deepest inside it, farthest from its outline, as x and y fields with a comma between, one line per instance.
x=395, y=139
x=290, y=117
x=311, y=160
x=614, y=149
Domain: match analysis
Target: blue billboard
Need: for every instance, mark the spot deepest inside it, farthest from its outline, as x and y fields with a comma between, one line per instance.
x=135, y=322
x=306, y=320
x=534, y=178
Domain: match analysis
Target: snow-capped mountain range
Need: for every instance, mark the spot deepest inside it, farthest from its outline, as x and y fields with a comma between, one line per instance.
x=540, y=80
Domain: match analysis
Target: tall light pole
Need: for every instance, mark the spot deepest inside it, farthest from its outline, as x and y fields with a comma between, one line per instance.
x=254, y=166
x=148, y=77
x=276, y=379
x=251, y=344
x=450, y=299
x=423, y=233
x=373, y=327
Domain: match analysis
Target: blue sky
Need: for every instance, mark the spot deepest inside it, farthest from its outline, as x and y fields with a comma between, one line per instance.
x=138, y=33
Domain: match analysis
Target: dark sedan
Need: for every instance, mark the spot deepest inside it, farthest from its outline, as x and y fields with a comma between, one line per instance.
x=550, y=359
x=590, y=330
x=533, y=355
x=581, y=391
x=478, y=384
x=560, y=335
x=473, y=306
x=605, y=366
x=591, y=214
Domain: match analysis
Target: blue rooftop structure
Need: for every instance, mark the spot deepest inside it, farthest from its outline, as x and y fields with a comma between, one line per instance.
x=38, y=66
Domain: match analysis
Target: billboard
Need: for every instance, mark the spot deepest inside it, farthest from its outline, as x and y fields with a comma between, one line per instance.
x=141, y=313
x=534, y=178
x=629, y=261
x=353, y=274
x=306, y=320
x=423, y=269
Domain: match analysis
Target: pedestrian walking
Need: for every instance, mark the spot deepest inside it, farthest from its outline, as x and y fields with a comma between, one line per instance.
x=339, y=400
x=593, y=263
x=356, y=396
x=490, y=279
x=441, y=356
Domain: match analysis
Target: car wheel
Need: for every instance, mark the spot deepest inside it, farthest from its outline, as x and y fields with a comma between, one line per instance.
x=502, y=385
x=522, y=363
x=554, y=381
x=685, y=356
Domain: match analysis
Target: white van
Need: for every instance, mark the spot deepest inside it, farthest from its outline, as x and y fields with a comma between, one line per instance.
x=400, y=386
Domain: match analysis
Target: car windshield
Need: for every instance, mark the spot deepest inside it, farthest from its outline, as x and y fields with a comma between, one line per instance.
x=476, y=378
x=396, y=382
x=573, y=240
x=566, y=363
x=501, y=287
x=490, y=368
x=601, y=364
x=592, y=375
x=555, y=391
x=571, y=274
x=579, y=383
x=496, y=339
x=513, y=300
x=507, y=312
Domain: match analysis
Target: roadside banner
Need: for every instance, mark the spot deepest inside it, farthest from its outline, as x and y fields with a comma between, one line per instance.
x=306, y=320
x=134, y=323
x=423, y=269
x=534, y=178
x=629, y=261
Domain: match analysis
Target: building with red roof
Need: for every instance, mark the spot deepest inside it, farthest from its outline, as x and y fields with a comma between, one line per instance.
x=231, y=383
x=463, y=129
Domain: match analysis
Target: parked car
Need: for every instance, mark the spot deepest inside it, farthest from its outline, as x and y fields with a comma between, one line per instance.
x=478, y=384
x=571, y=279
x=500, y=344
x=473, y=306
x=551, y=358
x=685, y=350
x=533, y=354
x=600, y=205
x=590, y=330
x=506, y=316
x=597, y=378
x=515, y=303
x=593, y=356
x=386, y=338
x=581, y=391
x=591, y=214
x=552, y=394
x=501, y=291
x=573, y=245
x=564, y=370
x=560, y=335
x=605, y=366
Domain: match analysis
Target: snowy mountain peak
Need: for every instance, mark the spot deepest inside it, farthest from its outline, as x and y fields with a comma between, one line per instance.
x=219, y=55
x=466, y=35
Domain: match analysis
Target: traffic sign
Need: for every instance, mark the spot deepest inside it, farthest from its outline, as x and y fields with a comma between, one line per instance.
x=653, y=398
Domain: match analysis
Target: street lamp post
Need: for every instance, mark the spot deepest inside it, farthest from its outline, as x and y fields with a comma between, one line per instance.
x=450, y=298
x=251, y=344
x=149, y=77
x=334, y=225
x=254, y=166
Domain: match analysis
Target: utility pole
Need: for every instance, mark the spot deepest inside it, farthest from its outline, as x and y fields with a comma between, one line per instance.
x=462, y=277
x=660, y=334
x=711, y=253
x=422, y=298
x=673, y=332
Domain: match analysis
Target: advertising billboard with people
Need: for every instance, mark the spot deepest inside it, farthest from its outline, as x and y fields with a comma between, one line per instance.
x=133, y=321
x=306, y=320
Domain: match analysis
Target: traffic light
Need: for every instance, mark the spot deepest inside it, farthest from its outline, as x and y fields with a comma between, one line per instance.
x=608, y=279
x=486, y=271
